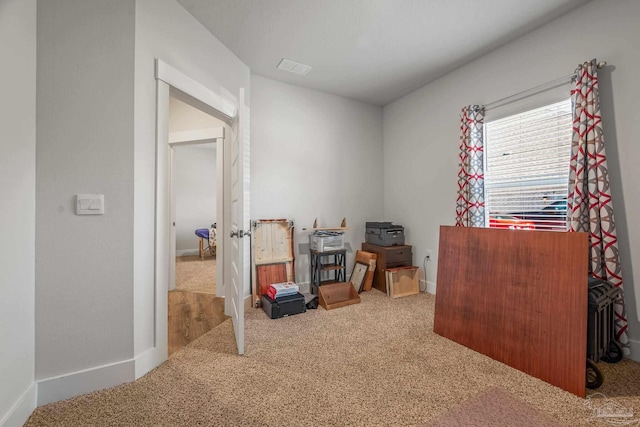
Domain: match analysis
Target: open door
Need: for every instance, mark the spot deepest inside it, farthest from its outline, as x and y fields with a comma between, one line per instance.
x=234, y=288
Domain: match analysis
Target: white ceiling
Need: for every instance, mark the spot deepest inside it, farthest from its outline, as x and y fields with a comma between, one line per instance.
x=371, y=50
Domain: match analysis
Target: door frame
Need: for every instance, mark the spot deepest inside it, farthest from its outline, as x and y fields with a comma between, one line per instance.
x=171, y=82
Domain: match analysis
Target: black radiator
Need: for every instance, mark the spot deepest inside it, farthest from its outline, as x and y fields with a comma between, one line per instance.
x=600, y=323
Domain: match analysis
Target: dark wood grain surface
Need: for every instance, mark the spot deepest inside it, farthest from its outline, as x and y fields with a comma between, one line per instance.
x=517, y=296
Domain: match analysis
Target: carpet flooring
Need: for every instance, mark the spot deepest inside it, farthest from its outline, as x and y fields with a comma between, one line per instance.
x=196, y=275
x=377, y=363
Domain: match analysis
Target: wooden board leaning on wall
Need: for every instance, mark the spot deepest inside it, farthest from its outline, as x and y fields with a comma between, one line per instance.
x=272, y=256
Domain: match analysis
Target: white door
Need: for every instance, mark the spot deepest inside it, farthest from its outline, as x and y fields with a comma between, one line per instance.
x=234, y=289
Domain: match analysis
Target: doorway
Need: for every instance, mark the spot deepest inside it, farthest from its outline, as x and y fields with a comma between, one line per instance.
x=195, y=302
x=234, y=188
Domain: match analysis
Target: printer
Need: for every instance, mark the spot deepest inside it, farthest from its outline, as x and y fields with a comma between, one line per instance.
x=384, y=234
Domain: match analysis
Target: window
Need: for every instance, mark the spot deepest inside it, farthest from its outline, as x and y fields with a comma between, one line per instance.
x=527, y=168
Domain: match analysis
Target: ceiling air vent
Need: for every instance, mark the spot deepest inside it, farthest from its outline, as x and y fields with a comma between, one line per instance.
x=293, y=67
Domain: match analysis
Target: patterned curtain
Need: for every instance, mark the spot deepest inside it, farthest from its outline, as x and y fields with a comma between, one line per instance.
x=589, y=204
x=470, y=202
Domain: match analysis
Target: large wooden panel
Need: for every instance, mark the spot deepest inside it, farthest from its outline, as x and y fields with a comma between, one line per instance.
x=517, y=296
x=272, y=244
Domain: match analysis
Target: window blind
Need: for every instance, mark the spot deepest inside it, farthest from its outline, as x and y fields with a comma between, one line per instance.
x=527, y=168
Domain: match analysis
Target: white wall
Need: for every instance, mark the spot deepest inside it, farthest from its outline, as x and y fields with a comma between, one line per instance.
x=84, y=268
x=17, y=210
x=195, y=188
x=165, y=30
x=314, y=155
x=421, y=130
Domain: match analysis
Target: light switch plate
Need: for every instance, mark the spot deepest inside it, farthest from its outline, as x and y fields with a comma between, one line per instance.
x=89, y=204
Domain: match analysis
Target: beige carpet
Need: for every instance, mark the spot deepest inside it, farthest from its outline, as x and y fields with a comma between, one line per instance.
x=377, y=363
x=497, y=406
x=196, y=275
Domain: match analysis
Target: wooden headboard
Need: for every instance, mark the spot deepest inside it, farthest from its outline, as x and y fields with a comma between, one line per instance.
x=519, y=297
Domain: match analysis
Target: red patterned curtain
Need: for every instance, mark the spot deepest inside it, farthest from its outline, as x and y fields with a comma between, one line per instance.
x=589, y=204
x=470, y=202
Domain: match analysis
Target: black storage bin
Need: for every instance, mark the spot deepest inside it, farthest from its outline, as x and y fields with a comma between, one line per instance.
x=384, y=234
x=283, y=306
x=600, y=319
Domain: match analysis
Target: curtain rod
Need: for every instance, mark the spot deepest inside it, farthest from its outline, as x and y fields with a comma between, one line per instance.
x=536, y=89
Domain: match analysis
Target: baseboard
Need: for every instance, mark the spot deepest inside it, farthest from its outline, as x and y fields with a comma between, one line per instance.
x=305, y=287
x=22, y=409
x=150, y=359
x=431, y=287
x=86, y=381
x=187, y=252
x=634, y=346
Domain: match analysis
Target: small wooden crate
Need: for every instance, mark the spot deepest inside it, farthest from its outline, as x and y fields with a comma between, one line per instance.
x=402, y=281
x=337, y=295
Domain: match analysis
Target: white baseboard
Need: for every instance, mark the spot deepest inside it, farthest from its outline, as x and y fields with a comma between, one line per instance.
x=305, y=287
x=635, y=350
x=150, y=359
x=188, y=252
x=21, y=410
x=86, y=381
x=431, y=287
x=248, y=302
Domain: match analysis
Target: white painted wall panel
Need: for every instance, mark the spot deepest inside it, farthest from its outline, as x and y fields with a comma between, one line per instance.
x=421, y=135
x=84, y=264
x=315, y=155
x=17, y=209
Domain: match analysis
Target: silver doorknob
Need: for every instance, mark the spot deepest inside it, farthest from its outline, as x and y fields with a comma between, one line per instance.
x=233, y=233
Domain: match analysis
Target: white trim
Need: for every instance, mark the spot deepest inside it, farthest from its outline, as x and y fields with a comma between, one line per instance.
x=220, y=201
x=22, y=409
x=635, y=350
x=431, y=287
x=162, y=217
x=186, y=84
x=188, y=252
x=196, y=136
x=247, y=303
x=148, y=360
x=304, y=287
x=85, y=381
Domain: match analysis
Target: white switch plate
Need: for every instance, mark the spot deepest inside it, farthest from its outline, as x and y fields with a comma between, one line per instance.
x=89, y=204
